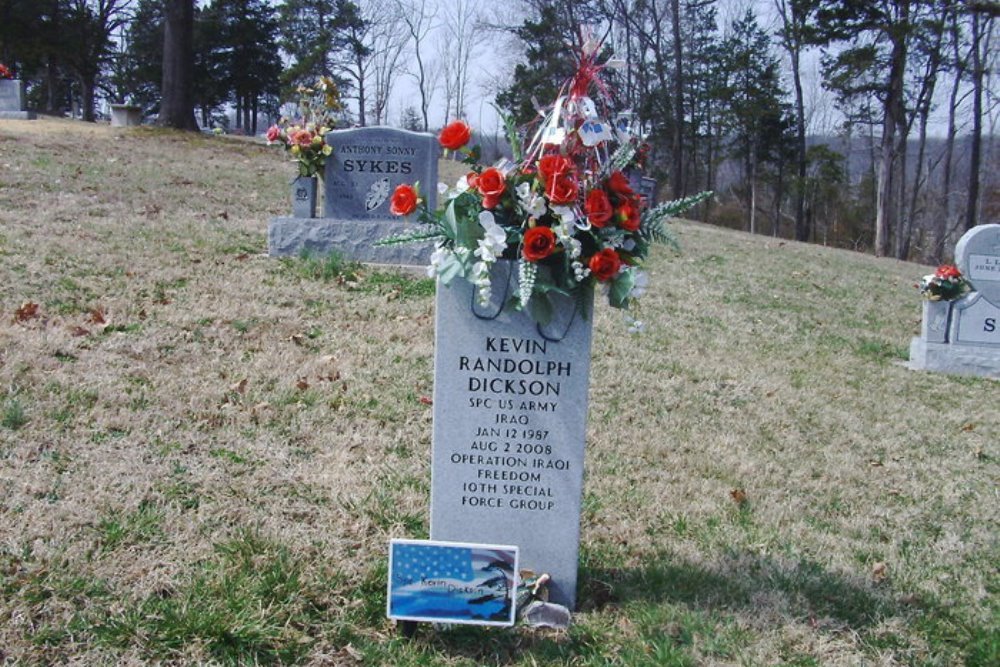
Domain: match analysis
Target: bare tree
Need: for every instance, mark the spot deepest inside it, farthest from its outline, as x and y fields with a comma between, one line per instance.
x=981, y=30
x=419, y=18
x=462, y=29
x=387, y=40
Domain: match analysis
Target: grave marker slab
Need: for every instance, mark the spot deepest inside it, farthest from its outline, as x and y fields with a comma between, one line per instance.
x=971, y=343
x=13, y=101
x=366, y=166
x=510, y=415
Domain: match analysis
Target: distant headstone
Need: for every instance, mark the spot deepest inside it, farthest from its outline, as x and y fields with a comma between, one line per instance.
x=963, y=336
x=366, y=166
x=510, y=416
x=13, y=103
x=126, y=115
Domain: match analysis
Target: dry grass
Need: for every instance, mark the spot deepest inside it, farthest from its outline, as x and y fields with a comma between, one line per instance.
x=212, y=472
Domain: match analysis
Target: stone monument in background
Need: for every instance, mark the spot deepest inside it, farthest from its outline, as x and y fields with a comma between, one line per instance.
x=13, y=102
x=366, y=166
x=963, y=336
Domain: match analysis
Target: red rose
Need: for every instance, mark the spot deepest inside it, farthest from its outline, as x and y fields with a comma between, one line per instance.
x=539, y=243
x=5, y=73
x=273, y=133
x=491, y=184
x=404, y=200
x=598, y=208
x=627, y=216
x=946, y=271
x=605, y=264
x=551, y=166
x=455, y=135
x=562, y=189
x=619, y=185
x=472, y=178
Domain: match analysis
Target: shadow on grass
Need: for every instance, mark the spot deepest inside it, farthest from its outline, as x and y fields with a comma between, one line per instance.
x=682, y=613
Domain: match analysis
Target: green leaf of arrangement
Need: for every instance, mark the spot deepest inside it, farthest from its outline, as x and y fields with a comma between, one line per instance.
x=513, y=138
x=540, y=308
x=411, y=236
x=451, y=268
x=654, y=220
x=620, y=289
x=621, y=158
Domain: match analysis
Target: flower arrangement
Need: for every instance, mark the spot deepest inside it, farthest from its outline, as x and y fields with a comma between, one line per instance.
x=945, y=284
x=305, y=136
x=5, y=72
x=565, y=210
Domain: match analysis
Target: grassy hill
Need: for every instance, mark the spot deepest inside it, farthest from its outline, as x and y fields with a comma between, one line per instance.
x=203, y=451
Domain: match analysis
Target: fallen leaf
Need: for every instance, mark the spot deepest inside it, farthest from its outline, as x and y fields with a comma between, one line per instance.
x=79, y=331
x=298, y=338
x=97, y=316
x=426, y=400
x=302, y=385
x=739, y=496
x=242, y=257
x=27, y=311
x=224, y=215
x=879, y=571
x=968, y=427
x=875, y=463
x=240, y=387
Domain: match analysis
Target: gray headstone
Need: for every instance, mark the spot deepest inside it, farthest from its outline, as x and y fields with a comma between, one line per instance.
x=366, y=166
x=977, y=255
x=13, y=101
x=510, y=414
x=971, y=345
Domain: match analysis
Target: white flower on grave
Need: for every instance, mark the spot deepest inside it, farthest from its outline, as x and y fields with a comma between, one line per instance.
x=442, y=188
x=532, y=203
x=634, y=326
x=492, y=245
x=526, y=273
x=438, y=257
x=640, y=286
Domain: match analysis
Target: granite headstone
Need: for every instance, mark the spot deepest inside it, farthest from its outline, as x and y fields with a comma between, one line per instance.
x=13, y=103
x=963, y=336
x=366, y=166
x=510, y=416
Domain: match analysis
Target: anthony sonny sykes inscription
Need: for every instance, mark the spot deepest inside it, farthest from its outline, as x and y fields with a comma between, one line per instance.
x=510, y=463
x=376, y=166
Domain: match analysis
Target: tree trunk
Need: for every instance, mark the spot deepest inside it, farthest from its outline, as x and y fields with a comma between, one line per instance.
x=177, y=101
x=87, y=100
x=975, y=158
x=677, y=177
x=894, y=118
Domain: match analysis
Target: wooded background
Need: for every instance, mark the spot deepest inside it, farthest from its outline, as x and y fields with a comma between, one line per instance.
x=718, y=85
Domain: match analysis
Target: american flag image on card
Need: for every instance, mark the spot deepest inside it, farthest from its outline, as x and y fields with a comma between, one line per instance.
x=452, y=582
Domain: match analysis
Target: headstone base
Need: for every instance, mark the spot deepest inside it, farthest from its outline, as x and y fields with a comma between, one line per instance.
x=353, y=239
x=954, y=359
x=17, y=115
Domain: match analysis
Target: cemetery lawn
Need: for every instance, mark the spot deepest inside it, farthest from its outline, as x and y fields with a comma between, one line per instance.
x=204, y=451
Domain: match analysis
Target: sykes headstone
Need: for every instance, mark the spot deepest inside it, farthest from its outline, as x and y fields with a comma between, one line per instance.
x=365, y=167
x=510, y=417
x=963, y=336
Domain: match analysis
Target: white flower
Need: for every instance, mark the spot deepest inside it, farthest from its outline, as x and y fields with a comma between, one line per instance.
x=526, y=279
x=532, y=203
x=442, y=188
x=438, y=257
x=568, y=215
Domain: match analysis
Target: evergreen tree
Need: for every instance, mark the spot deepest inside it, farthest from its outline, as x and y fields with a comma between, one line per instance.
x=754, y=96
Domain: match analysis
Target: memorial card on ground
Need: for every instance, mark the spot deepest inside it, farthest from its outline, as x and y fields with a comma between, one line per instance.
x=510, y=414
x=452, y=582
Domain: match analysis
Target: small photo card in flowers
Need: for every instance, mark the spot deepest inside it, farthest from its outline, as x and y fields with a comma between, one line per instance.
x=452, y=582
